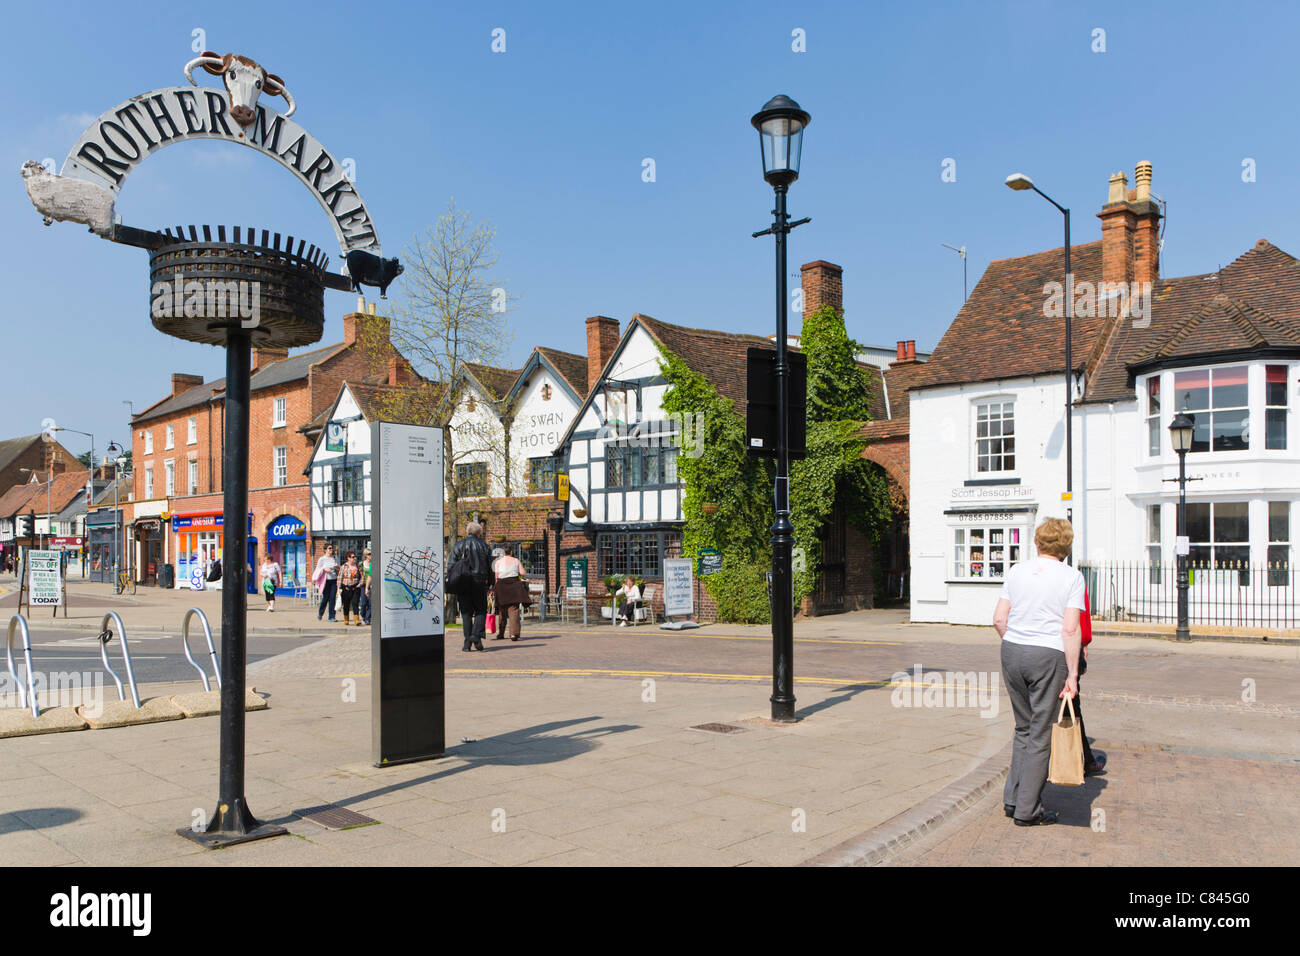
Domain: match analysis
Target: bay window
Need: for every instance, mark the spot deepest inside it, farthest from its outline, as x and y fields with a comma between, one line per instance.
x=1155, y=427
x=1217, y=399
x=1219, y=534
x=1279, y=543
x=1275, y=407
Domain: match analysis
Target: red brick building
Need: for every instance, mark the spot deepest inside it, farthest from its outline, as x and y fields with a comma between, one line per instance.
x=177, y=448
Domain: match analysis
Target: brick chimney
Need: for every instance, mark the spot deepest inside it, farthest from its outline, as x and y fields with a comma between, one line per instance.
x=182, y=382
x=1130, y=230
x=602, y=339
x=265, y=356
x=906, y=353
x=400, y=371
x=359, y=324
x=823, y=284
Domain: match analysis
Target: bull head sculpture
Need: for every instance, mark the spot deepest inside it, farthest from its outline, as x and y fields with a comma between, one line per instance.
x=245, y=79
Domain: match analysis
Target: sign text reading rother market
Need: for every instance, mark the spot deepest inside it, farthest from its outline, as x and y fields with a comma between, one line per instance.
x=120, y=139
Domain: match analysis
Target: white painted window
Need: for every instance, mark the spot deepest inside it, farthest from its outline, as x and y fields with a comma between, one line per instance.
x=148, y=482
x=1155, y=427
x=1218, y=401
x=1153, y=542
x=192, y=431
x=984, y=552
x=169, y=468
x=148, y=441
x=171, y=437
x=1279, y=543
x=281, y=462
x=1275, y=407
x=278, y=412
x=193, y=483
x=995, y=437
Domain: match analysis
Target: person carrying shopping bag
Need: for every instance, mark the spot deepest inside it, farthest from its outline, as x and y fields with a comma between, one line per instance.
x=269, y=576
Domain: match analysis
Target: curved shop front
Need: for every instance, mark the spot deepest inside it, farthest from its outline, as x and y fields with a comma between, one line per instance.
x=286, y=543
x=199, y=542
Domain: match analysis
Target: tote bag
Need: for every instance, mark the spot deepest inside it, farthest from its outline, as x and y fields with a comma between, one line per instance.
x=1066, y=766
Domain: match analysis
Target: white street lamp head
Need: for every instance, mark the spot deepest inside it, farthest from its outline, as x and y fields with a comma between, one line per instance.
x=780, y=124
x=1019, y=181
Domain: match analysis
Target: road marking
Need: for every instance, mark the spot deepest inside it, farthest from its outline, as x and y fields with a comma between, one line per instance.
x=599, y=672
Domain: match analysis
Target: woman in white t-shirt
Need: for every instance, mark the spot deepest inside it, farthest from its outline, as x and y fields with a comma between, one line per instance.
x=269, y=578
x=510, y=590
x=1037, y=617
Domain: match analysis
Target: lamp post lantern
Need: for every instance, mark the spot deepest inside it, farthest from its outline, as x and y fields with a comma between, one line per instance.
x=780, y=124
x=1180, y=433
x=1021, y=182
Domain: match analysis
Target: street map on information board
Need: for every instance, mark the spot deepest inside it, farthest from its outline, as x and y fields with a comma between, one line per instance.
x=408, y=465
x=43, y=580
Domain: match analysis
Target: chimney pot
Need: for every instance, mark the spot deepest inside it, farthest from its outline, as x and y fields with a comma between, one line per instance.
x=902, y=350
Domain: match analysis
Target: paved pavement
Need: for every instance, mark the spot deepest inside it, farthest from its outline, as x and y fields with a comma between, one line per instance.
x=571, y=758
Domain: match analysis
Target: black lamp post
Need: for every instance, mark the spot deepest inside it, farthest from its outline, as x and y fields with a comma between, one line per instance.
x=1180, y=433
x=1019, y=182
x=780, y=124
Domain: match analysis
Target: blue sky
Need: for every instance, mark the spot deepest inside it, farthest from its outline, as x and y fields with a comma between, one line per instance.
x=547, y=140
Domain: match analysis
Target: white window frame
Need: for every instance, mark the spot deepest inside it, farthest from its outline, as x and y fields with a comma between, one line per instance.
x=279, y=411
x=1255, y=415
x=1153, y=420
x=148, y=482
x=148, y=441
x=192, y=431
x=1014, y=546
x=169, y=477
x=192, y=476
x=169, y=434
x=280, y=465
x=975, y=439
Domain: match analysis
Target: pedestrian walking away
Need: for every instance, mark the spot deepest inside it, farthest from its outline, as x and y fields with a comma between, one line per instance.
x=350, y=588
x=269, y=576
x=326, y=578
x=510, y=590
x=476, y=557
x=1037, y=617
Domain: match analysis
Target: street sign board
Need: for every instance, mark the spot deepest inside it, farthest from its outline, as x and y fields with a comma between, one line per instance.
x=710, y=561
x=679, y=596
x=336, y=436
x=561, y=487
x=408, y=715
x=43, y=582
x=575, y=577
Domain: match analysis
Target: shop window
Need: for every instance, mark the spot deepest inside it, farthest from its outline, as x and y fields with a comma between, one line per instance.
x=995, y=437
x=1155, y=428
x=472, y=480
x=1219, y=536
x=541, y=475
x=984, y=553
x=1217, y=401
x=638, y=553
x=1279, y=543
x=1275, y=401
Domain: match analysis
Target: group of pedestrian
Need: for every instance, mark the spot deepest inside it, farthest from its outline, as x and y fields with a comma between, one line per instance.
x=1041, y=616
x=503, y=577
x=349, y=581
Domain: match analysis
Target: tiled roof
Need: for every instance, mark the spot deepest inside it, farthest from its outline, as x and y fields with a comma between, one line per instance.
x=291, y=369
x=11, y=448
x=370, y=398
x=496, y=380
x=572, y=367
x=898, y=380
x=1252, y=304
x=15, y=499
x=1001, y=331
x=718, y=356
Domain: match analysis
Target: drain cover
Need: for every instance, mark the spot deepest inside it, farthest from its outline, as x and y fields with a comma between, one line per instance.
x=718, y=728
x=334, y=818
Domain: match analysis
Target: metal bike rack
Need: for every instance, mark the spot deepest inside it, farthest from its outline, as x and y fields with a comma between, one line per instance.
x=27, y=699
x=106, y=635
x=212, y=651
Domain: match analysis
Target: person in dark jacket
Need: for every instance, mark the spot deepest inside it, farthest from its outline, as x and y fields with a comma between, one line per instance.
x=473, y=601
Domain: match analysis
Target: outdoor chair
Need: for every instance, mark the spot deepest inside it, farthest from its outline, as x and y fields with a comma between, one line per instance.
x=645, y=609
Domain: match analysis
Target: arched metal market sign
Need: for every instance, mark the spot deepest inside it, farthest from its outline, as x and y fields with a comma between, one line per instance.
x=123, y=137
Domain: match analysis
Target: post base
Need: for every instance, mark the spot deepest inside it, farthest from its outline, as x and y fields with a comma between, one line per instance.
x=783, y=711
x=230, y=825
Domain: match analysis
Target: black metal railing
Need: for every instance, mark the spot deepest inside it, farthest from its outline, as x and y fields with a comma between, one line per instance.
x=1227, y=594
